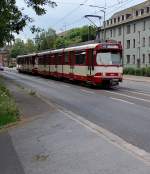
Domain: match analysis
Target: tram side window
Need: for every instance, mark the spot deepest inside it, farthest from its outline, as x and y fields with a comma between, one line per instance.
x=59, y=59
x=66, y=60
x=41, y=61
x=80, y=58
x=47, y=60
x=56, y=59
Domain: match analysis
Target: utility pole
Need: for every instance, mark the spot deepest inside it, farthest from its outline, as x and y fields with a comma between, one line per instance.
x=104, y=11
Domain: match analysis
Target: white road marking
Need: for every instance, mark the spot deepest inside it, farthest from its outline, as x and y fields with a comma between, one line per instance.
x=103, y=133
x=136, y=92
x=86, y=91
x=66, y=86
x=125, y=95
x=118, y=99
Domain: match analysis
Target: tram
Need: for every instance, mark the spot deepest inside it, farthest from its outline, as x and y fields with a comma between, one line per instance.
x=96, y=64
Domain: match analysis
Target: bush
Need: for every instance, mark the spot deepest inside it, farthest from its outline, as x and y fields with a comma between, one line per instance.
x=130, y=71
x=8, y=110
x=148, y=72
x=137, y=71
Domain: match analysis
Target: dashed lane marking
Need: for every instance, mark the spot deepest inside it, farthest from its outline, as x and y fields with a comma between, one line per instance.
x=86, y=91
x=118, y=99
x=66, y=86
x=103, y=133
x=125, y=95
x=136, y=92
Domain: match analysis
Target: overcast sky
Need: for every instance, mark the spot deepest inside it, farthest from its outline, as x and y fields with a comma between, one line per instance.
x=70, y=13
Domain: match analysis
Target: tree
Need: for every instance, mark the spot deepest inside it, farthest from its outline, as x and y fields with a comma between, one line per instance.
x=12, y=19
x=76, y=35
x=18, y=48
x=88, y=33
x=46, y=40
x=30, y=46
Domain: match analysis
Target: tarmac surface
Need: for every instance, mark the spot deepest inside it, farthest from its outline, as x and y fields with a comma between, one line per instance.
x=52, y=139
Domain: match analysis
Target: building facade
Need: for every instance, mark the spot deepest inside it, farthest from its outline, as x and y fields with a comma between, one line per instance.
x=4, y=54
x=131, y=27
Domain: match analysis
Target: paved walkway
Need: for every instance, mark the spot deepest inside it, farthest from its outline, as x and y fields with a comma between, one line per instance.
x=56, y=141
x=137, y=78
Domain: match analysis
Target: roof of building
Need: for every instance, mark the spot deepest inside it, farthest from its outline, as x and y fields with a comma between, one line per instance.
x=129, y=15
x=133, y=8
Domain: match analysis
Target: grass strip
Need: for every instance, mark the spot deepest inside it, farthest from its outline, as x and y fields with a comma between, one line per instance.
x=8, y=109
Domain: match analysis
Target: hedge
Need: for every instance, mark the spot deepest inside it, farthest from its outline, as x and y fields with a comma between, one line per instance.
x=137, y=71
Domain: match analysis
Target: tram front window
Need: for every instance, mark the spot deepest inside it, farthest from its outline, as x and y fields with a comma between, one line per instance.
x=108, y=58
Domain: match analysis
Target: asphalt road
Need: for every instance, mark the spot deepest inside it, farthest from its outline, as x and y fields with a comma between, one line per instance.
x=124, y=110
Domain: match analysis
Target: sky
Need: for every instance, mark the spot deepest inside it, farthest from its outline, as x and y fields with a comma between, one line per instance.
x=70, y=14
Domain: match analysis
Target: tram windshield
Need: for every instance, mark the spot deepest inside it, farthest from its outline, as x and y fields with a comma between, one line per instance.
x=108, y=58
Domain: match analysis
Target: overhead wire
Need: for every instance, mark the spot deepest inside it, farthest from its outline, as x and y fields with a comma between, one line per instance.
x=70, y=13
x=107, y=14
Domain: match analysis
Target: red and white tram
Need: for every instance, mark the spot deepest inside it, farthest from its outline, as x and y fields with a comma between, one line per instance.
x=98, y=63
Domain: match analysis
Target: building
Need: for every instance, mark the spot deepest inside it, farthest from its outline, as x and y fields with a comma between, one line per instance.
x=4, y=52
x=131, y=27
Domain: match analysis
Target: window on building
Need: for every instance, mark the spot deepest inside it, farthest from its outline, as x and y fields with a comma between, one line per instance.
x=114, y=20
x=114, y=32
x=107, y=22
x=142, y=11
x=128, y=16
x=128, y=59
x=119, y=31
x=128, y=29
x=128, y=44
x=144, y=25
x=110, y=33
x=122, y=17
x=111, y=21
x=118, y=19
x=137, y=13
x=134, y=28
x=144, y=58
x=133, y=59
x=148, y=9
x=149, y=41
x=149, y=58
x=133, y=43
x=143, y=43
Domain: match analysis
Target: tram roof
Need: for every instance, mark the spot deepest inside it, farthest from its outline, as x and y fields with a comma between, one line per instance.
x=43, y=53
x=26, y=55
x=82, y=47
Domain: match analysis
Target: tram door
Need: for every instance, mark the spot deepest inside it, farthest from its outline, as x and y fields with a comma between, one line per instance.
x=71, y=63
x=90, y=62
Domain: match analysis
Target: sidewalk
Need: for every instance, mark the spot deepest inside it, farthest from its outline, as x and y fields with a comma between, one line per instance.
x=136, y=78
x=57, y=141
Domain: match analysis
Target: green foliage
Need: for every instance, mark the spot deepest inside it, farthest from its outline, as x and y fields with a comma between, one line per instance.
x=46, y=40
x=137, y=71
x=20, y=48
x=76, y=35
x=12, y=19
x=8, y=110
x=30, y=47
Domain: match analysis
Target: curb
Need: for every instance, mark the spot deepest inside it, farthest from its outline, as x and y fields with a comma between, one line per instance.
x=136, y=80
